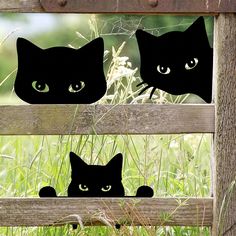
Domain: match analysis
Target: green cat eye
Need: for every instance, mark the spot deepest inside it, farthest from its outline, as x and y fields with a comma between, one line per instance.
x=106, y=188
x=163, y=69
x=83, y=187
x=191, y=64
x=76, y=87
x=40, y=86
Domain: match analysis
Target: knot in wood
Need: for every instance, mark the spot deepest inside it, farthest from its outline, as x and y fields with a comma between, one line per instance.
x=153, y=3
x=62, y=3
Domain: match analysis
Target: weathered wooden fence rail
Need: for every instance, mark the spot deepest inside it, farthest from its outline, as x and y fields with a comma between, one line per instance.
x=105, y=211
x=121, y=6
x=106, y=119
x=224, y=173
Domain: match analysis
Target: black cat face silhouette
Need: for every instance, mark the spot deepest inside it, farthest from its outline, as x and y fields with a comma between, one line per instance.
x=60, y=75
x=96, y=180
x=177, y=62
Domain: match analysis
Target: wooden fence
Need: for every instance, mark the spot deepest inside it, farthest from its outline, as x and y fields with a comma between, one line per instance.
x=218, y=118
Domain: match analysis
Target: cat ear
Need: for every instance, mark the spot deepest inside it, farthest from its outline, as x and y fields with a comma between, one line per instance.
x=145, y=42
x=197, y=29
x=25, y=47
x=76, y=161
x=116, y=163
x=141, y=34
x=96, y=47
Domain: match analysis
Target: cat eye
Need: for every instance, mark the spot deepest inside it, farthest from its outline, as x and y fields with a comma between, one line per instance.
x=106, y=188
x=83, y=187
x=76, y=87
x=163, y=70
x=40, y=86
x=191, y=64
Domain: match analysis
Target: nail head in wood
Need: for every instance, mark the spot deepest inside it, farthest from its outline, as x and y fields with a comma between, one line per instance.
x=62, y=3
x=153, y=3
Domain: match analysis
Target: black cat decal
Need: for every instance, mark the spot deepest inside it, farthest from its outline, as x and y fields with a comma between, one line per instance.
x=60, y=75
x=177, y=62
x=96, y=181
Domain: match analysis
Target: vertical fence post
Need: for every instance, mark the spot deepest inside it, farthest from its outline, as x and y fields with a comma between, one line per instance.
x=224, y=173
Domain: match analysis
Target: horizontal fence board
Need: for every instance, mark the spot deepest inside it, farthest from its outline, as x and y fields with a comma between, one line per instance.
x=106, y=119
x=121, y=6
x=142, y=6
x=20, y=6
x=106, y=211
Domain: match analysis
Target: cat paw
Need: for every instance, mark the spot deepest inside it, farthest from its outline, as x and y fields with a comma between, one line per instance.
x=144, y=191
x=74, y=227
x=47, y=191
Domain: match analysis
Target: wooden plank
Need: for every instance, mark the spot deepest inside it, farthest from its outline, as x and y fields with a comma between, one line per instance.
x=108, y=211
x=106, y=119
x=141, y=6
x=121, y=6
x=20, y=6
x=225, y=137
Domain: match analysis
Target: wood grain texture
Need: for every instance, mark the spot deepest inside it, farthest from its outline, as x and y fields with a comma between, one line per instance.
x=142, y=6
x=95, y=211
x=121, y=6
x=106, y=119
x=20, y=6
x=225, y=136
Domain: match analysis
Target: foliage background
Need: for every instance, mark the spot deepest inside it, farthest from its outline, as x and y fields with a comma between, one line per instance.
x=174, y=165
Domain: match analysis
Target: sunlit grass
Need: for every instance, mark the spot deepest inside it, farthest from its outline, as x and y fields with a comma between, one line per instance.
x=173, y=165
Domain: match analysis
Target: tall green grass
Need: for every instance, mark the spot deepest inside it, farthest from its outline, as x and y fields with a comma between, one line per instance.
x=173, y=165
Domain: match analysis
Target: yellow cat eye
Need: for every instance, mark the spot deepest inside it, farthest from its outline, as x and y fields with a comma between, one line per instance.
x=83, y=187
x=163, y=69
x=106, y=188
x=191, y=64
x=76, y=87
x=40, y=87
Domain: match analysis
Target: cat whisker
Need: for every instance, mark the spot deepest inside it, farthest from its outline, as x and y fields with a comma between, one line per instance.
x=144, y=89
x=152, y=92
x=140, y=84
